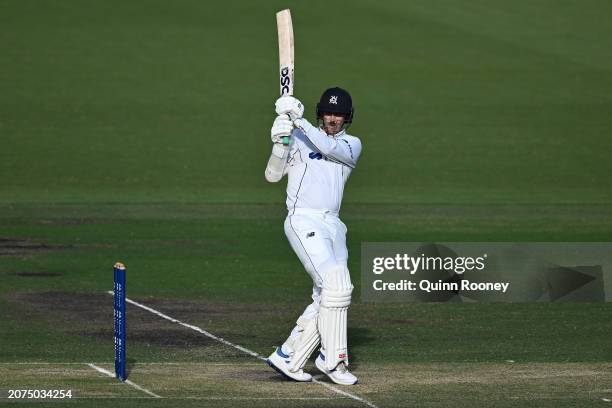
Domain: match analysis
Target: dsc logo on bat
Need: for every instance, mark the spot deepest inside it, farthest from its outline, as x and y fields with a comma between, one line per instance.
x=285, y=80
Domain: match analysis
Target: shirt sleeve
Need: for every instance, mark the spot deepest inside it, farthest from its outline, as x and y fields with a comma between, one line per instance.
x=345, y=150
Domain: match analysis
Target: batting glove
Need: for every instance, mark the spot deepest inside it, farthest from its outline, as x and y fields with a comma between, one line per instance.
x=290, y=106
x=282, y=127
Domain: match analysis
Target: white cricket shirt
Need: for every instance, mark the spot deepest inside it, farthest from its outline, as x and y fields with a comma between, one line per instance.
x=318, y=166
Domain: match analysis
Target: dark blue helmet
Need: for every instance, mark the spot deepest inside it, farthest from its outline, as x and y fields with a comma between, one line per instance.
x=336, y=100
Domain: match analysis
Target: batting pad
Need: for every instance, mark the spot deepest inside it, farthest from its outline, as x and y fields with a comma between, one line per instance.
x=335, y=300
x=305, y=344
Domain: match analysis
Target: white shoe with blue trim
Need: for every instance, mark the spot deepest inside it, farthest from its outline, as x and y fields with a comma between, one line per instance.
x=280, y=362
x=340, y=375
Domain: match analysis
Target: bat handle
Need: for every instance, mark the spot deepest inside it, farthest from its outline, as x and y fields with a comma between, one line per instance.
x=286, y=140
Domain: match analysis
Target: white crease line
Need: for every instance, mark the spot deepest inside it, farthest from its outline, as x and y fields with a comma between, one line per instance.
x=341, y=392
x=238, y=347
x=192, y=327
x=138, y=387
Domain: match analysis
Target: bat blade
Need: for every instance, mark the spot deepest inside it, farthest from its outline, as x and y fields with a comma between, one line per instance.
x=285, y=51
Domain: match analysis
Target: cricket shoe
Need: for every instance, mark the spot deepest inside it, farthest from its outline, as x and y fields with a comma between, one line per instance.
x=340, y=375
x=280, y=362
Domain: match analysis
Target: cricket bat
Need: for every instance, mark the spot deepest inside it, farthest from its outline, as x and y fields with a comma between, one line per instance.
x=285, y=54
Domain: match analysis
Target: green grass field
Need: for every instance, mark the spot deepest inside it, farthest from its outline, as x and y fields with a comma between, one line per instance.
x=138, y=131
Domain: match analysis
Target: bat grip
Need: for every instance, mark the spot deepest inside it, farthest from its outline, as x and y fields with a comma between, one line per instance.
x=286, y=140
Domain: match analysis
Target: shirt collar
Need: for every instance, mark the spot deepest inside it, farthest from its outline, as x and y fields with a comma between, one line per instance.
x=340, y=133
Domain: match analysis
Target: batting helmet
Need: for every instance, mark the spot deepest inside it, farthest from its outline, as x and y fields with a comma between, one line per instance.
x=336, y=100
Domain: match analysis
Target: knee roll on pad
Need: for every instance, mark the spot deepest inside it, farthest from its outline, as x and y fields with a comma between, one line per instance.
x=337, y=288
x=336, y=299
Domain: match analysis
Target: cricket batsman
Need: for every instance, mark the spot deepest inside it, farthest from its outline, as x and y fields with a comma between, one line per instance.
x=318, y=161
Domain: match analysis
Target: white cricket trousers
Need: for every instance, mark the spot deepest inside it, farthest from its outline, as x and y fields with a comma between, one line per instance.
x=318, y=237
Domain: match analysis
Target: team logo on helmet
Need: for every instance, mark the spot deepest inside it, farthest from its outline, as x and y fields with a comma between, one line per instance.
x=336, y=100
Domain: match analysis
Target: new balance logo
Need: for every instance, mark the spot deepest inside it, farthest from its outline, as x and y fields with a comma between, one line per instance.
x=334, y=100
x=315, y=155
x=310, y=234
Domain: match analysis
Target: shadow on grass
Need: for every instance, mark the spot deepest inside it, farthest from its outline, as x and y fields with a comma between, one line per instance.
x=129, y=365
x=358, y=336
